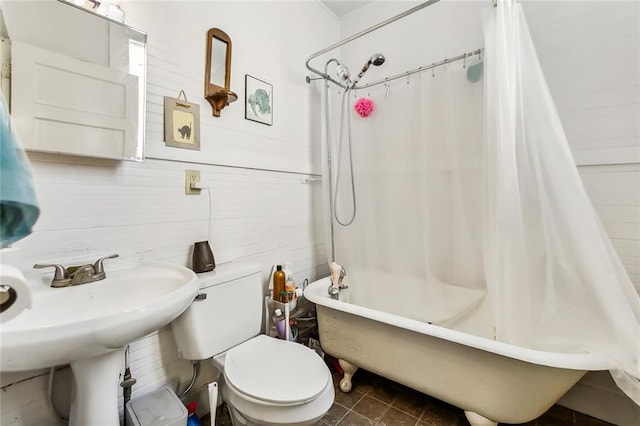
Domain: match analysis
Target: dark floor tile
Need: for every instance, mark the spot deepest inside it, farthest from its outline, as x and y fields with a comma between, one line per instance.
x=462, y=421
x=438, y=413
x=584, y=420
x=364, y=382
x=371, y=408
x=335, y=377
x=222, y=417
x=550, y=421
x=545, y=420
x=590, y=421
x=347, y=399
x=435, y=423
x=334, y=415
x=206, y=420
x=395, y=417
x=384, y=390
x=560, y=413
x=410, y=401
x=355, y=419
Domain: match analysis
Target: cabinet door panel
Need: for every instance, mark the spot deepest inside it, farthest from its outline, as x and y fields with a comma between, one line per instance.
x=62, y=104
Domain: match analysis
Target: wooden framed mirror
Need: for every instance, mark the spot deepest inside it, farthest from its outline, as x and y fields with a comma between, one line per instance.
x=217, y=74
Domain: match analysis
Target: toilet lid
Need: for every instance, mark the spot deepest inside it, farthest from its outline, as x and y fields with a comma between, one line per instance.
x=276, y=371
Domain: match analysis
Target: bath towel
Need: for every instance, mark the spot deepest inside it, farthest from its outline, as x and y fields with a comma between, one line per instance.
x=18, y=205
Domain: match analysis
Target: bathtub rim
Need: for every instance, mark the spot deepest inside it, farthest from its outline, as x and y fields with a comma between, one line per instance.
x=316, y=292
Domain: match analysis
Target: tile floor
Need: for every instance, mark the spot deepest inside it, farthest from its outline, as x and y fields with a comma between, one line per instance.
x=377, y=401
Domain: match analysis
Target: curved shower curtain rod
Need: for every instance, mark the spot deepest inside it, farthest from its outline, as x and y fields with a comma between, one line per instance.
x=421, y=69
x=413, y=71
x=358, y=35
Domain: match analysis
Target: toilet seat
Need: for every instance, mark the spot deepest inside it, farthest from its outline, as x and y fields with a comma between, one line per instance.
x=270, y=371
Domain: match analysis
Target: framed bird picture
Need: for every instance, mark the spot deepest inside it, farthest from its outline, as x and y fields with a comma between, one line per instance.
x=258, y=96
x=181, y=123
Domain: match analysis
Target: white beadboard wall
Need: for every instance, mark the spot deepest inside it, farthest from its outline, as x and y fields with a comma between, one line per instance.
x=615, y=193
x=590, y=53
x=139, y=209
x=261, y=211
x=262, y=34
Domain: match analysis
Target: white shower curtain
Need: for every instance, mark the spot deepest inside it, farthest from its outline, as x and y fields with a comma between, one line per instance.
x=468, y=198
x=553, y=276
x=418, y=175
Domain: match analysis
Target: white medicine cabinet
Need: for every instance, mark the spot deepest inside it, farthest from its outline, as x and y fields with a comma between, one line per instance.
x=78, y=80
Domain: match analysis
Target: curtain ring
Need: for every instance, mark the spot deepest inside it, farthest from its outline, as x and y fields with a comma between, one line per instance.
x=408, y=82
x=387, y=89
x=433, y=73
x=464, y=62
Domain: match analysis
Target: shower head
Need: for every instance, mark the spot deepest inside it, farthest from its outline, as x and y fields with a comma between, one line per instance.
x=376, y=59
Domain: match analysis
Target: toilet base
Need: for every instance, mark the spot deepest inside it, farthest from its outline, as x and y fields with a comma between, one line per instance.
x=284, y=415
x=238, y=420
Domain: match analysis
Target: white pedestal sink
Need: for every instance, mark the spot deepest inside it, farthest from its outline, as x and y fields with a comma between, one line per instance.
x=88, y=326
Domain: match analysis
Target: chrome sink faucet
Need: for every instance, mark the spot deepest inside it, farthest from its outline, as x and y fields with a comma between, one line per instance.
x=74, y=275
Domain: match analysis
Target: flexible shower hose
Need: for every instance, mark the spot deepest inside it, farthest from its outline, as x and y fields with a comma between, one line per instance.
x=343, y=113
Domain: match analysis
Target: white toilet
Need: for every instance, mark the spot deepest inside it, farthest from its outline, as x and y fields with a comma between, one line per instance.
x=266, y=381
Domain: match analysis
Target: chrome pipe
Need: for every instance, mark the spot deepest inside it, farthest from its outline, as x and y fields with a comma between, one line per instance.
x=360, y=34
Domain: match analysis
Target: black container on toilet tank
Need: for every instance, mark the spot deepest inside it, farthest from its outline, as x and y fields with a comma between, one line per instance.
x=203, y=260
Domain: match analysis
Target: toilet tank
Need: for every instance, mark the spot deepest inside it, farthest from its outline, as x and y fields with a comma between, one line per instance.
x=230, y=314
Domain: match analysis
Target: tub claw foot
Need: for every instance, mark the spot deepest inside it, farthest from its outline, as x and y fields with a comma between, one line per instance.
x=478, y=420
x=349, y=370
x=345, y=384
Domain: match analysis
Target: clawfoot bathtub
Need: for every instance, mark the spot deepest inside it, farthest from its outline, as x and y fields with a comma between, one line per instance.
x=491, y=381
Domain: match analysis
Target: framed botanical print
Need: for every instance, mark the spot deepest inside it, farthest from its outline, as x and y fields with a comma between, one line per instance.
x=258, y=100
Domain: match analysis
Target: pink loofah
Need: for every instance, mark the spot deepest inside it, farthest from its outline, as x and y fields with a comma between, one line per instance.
x=364, y=107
